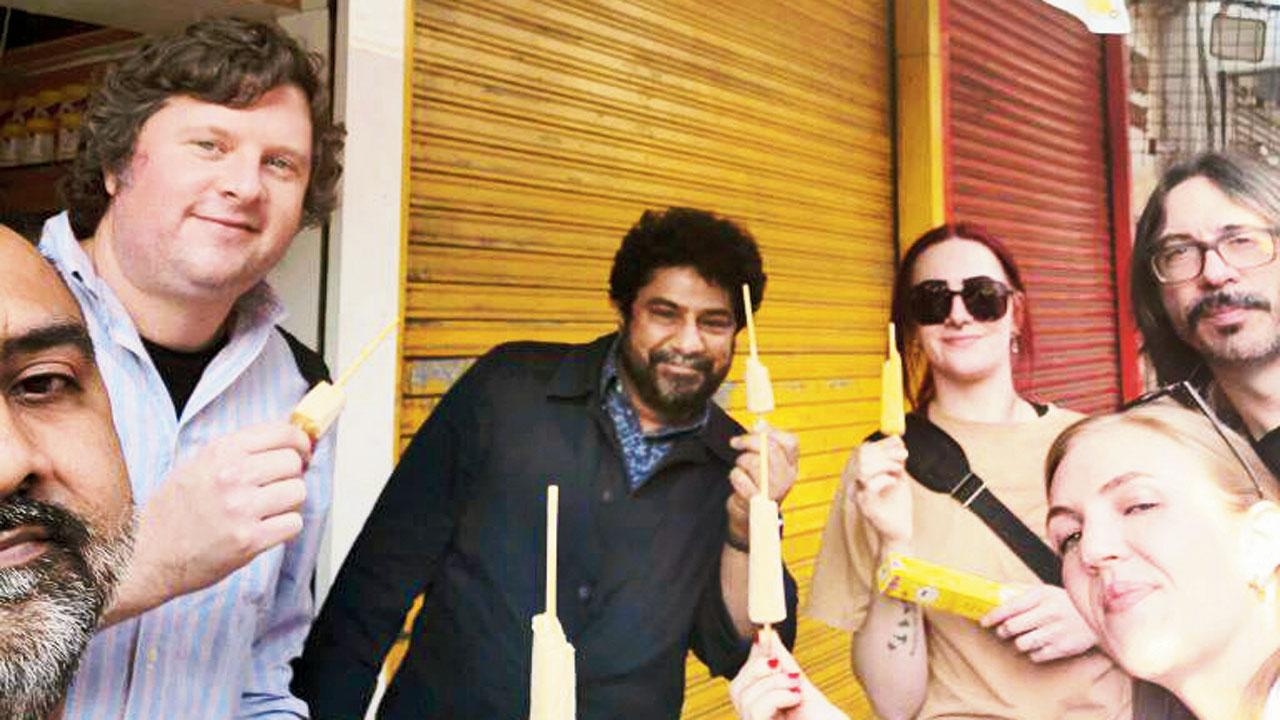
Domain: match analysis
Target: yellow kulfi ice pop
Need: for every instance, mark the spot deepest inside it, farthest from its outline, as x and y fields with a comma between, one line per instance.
x=553, y=685
x=892, y=415
x=316, y=412
x=766, y=596
x=941, y=588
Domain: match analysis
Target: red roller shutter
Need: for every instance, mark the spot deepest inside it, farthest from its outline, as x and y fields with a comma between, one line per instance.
x=1027, y=123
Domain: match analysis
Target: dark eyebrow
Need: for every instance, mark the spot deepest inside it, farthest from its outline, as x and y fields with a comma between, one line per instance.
x=661, y=301
x=60, y=333
x=1057, y=510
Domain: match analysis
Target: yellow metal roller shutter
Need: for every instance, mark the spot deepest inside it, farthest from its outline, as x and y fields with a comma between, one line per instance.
x=542, y=129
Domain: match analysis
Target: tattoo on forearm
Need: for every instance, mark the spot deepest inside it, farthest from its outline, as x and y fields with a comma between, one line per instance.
x=904, y=632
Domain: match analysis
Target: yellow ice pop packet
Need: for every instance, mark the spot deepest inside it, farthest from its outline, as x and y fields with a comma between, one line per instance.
x=941, y=588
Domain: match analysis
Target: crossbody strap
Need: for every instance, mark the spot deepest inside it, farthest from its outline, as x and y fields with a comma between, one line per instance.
x=941, y=466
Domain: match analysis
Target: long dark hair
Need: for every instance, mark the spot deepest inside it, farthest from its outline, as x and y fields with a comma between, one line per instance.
x=1244, y=181
x=917, y=380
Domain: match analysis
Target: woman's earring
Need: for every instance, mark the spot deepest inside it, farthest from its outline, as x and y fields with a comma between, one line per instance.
x=1015, y=347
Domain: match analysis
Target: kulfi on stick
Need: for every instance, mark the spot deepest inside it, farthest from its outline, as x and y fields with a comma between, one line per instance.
x=892, y=415
x=766, y=595
x=553, y=680
x=316, y=412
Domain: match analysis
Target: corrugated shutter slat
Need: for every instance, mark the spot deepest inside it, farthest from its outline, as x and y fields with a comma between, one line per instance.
x=1028, y=143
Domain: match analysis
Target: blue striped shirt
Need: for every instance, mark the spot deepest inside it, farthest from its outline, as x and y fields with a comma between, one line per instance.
x=222, y=652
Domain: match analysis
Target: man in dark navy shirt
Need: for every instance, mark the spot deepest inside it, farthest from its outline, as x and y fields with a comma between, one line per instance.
x=654, y=480
x=1206, y=289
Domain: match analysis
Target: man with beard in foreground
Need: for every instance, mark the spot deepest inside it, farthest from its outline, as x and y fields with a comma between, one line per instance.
x=1206, y=289
x=654, y=483
x=65, y=507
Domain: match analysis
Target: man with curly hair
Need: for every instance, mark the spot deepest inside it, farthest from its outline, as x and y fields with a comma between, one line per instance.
x=654, y=481
x=200, y=158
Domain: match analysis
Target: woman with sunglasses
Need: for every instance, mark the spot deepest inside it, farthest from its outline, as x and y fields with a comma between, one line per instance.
x=962, y=310
x=1169, y=550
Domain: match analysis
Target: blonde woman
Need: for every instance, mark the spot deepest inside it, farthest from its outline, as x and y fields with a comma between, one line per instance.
x=1170, y=541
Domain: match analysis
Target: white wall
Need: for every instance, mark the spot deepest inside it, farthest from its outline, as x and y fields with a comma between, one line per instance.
x=364, y=260
x=297, y=277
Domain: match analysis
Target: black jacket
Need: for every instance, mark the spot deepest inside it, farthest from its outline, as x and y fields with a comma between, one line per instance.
x=463, y=520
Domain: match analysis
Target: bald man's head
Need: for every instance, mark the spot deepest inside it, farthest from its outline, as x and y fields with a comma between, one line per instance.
x=66, y=513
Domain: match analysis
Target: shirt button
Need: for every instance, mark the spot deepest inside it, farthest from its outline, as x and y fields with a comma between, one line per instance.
x=584, y=592
x=151, y=657
x=606, y=496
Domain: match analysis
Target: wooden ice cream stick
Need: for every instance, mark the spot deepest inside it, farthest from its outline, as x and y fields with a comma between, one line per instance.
x=365, y=353
x=751, y=323
x=553, y=516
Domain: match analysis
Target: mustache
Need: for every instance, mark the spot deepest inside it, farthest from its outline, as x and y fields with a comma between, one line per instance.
x=701, y=363
x=1225, y=299
x=61, y=526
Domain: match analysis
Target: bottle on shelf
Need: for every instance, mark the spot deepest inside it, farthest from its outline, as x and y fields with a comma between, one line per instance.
x=13, y=135
x=70, y=116
x=42, y=128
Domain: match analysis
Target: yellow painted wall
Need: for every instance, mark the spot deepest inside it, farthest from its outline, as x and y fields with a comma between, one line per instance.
x=921, y=165
x=542, y=129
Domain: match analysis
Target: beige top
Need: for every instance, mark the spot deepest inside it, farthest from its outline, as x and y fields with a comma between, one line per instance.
x=972, y=673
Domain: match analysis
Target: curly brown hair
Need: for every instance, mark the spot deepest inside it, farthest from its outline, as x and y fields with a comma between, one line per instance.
x=227, y=61
x=720, y=250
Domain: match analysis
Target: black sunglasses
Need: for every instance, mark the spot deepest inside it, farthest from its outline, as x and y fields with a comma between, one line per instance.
x=1188, y=391
x=986, y=299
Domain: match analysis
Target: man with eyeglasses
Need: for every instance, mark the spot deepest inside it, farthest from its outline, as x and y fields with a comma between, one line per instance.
x=1206, y=289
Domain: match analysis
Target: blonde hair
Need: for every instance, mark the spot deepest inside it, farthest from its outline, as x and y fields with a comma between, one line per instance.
x=1194, y=431
x=1189, y=429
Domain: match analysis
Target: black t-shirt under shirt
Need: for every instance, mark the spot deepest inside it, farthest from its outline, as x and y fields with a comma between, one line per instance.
x=181, y=371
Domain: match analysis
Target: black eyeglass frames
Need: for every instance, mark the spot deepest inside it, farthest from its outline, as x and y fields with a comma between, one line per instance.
x=1180, y=258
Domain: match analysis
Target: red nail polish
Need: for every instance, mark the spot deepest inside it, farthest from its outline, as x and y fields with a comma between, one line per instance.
x=773, y=662
x=795, y=690
x=794, y=675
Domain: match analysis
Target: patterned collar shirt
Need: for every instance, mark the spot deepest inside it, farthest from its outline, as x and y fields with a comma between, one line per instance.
x=221, y=652
x=641, y=451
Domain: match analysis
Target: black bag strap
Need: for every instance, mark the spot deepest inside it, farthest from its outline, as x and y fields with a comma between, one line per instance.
x=310, y=365
x=938, y=462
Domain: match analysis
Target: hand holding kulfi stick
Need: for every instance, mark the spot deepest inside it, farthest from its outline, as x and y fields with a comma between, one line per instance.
x=319, y=408
x=552, y=683
x=766, y=597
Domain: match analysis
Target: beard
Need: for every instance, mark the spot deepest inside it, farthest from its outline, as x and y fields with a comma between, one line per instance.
x=678, y=400
x=1233, y=346
x=50, y=607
